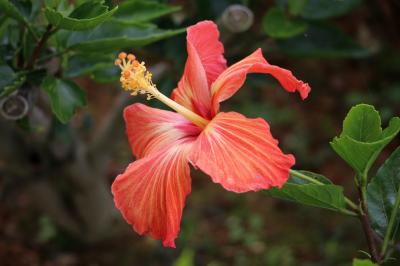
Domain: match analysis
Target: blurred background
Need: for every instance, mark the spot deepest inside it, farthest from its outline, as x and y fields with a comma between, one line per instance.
x=55, y=202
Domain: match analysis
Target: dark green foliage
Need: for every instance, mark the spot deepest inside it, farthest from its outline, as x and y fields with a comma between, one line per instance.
x=142, y=11
x=82, y=64
x=83, y=38
x=382, y=194
x=334, y=40
x=65, y=97
x=362, y=138
x=277, y=25
x=297, y=26
x=115, y=35
x=9, y=80
x=324, y=9
x=86, y=16
x=323, y=41
x=323, y=195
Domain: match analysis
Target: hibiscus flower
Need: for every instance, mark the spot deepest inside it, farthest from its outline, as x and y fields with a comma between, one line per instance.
x=235, y=151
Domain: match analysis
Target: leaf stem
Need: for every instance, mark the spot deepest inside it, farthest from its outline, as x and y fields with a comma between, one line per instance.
x=305, y=177
x=347, y=212
x=313, y=180
x=389, y=229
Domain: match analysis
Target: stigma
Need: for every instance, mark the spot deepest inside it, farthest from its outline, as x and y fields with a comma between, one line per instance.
x=135, y=78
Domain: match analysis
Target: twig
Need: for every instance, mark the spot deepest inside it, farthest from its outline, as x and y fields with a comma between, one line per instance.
x=36, y=52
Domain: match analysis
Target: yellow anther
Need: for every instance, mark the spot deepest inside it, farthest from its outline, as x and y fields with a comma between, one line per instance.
x=134, y=76
x=126, y=74
x=136, y=79
x=135, y=64
x=117, y=62
x=131, y=57
x=122, y=55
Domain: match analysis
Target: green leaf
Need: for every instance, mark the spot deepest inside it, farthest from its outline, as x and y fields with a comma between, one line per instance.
x=12, y=9
x=362, y=138
x=296, y=6
x=86, y=16
x=186, y=258
x=324, y=9
x=381, y=194
x=10, y=81
x=323, y=42
x=106, y=74
x=143, y=10
x=100, y=67
x=113, y=36
x=51, y=3
x=4, y=21
x=28, y=45
x=297, y=190
x=28, y=9
x=277, y=25
x=85, y=63
x=7, y=75
x=34, y=9
x=36, y=76
x=18, y=11
x=364, y=262
x=18, y=81
x=65, y=97
x=363, y=123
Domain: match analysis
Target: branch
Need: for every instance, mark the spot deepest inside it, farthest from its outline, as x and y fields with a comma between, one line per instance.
x=39, y=46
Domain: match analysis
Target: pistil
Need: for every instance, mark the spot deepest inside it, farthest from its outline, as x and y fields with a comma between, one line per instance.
x=137, y=80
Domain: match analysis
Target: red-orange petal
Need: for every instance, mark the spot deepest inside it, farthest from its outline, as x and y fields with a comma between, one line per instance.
x=233, y=78
x=151, y=192
x=150, y=130
x=204, y=36
x=241, y=154
x=204, y=64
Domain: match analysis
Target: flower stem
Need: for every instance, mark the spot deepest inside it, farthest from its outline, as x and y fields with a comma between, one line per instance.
x=392, y=219
x=313, y=180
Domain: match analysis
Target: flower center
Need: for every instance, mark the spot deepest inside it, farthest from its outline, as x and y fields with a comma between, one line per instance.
x=136, y=79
